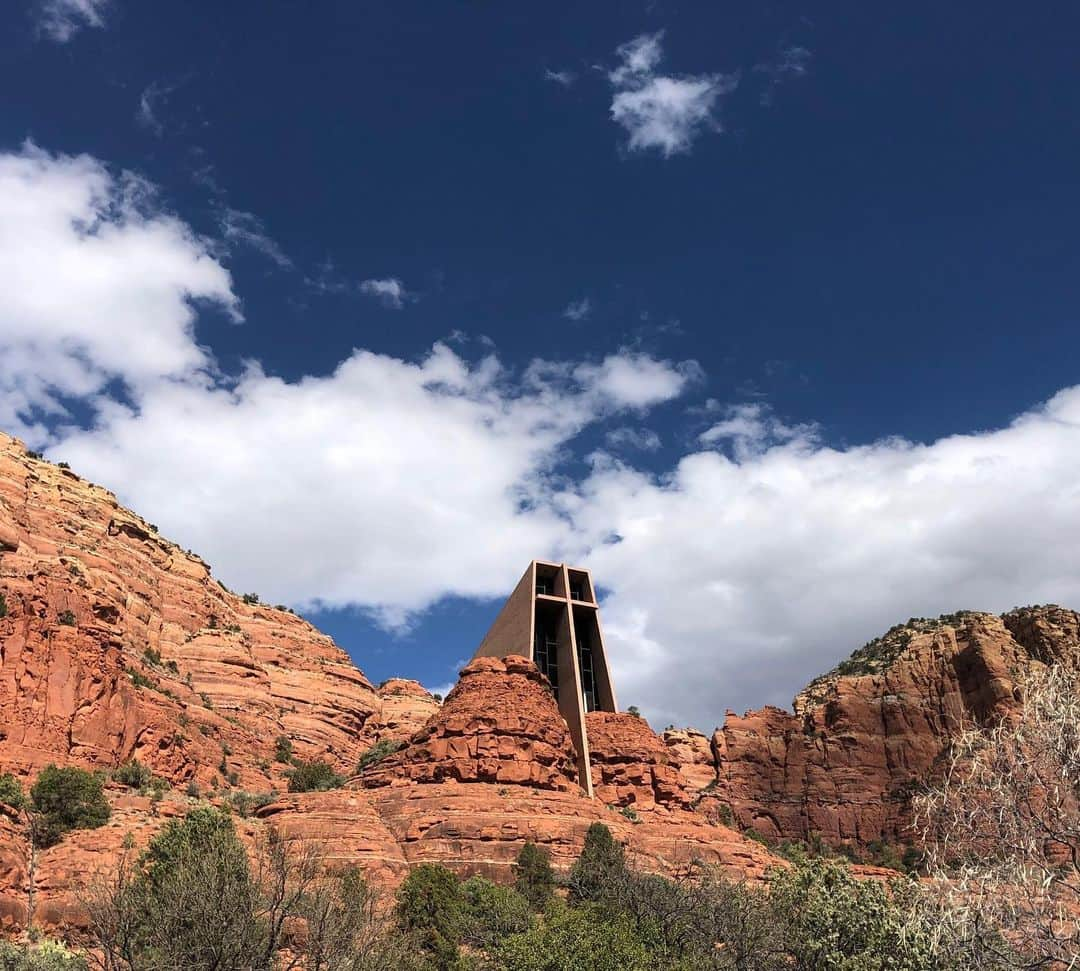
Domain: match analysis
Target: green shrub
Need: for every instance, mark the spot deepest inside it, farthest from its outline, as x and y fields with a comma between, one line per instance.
x=634, y=710
x=431, y=905
x=48, y=956
x=152, y=656
x=316, y=776
x=283, y=751
x=64, y=799
x=493, y=913
x=378, y=752
x=601, y=862
x=11, y=792
x=251, y=598
x=67, y=618
x=133, y=774
x=575, y=939
x=831, y=920
x=3, y=606
x=140, y=680
x=534, y=877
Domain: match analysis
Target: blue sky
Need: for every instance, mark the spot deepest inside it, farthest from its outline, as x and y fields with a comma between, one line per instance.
x=766, y=313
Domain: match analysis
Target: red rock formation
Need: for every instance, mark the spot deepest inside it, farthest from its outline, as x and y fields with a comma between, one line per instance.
x=117, y=644
x=499, y=724
x=405, y=709
x=845, y=763
x=630, y=765
x=692, y=754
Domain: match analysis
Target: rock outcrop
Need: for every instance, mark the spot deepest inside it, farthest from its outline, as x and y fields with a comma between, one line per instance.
x=500, y=724
x=631, y=766
x=405, y=708
x=845, y=763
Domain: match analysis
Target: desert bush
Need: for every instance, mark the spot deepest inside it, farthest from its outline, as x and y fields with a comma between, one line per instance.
x=11, y=792
x=576, y=939
x=829, y=920
x=67, y=618
x=534, y=876
x=283, y=750
x=48, y=956
x=378, y=752
x=133, y=774
x=3, y=606
x=64, y=799
x=315, y=776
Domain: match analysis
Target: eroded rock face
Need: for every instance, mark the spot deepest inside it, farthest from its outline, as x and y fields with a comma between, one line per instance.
x=117, y=644
x=631, y=766
x=405, y=708
x=845, y=764
x=692, y=754
x=500, y=724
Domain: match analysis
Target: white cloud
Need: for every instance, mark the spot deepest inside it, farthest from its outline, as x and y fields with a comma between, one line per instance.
x=738, y=577
x=60, y=20
x=245, y=227
x=624, y=437
x=578, y=309
x=661, y=111
x=147, y=113
x=391, y=291
x=97, y=285
x=565, y=78
x=760, y=559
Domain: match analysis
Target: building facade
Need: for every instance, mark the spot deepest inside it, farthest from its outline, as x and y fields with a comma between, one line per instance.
x=553, y=619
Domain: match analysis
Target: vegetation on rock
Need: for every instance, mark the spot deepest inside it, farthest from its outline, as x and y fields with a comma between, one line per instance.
x=64, y=799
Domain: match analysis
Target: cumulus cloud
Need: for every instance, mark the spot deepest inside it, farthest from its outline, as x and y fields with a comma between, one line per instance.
x=660, y=111
x=759, y=559
x=98, y=285
x=390, y=291
x=766, y=555
x=238, y=226
x=60, y=20
x=386, y=484
x=578, y=309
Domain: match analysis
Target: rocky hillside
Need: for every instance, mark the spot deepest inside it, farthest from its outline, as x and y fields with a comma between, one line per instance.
x=116, y=644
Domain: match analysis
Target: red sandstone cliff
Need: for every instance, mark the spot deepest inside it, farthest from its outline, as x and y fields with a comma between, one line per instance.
x=845, y=763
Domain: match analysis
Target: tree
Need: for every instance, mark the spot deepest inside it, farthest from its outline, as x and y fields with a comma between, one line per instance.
x=48, y=956
x=534, y=876
x=63, y=799
x=493, y=913
x=430, y=904
x=11, y=793
x=1002, y=831
x=602, y=860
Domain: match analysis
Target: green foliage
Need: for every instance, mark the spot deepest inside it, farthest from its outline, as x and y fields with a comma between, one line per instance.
x=64, y=799
x=576, y=939
x=834, y=922
x=251, y=598
x=602, y=861
x=493, y=913
x=140, y=680
x=3, y=606
x=245, y=803
x=66, y=617
x=48, y=956
x=430, y=904
x=152, y=656
x=133, y=774
x=11, y=792
x=378, y=752
x=283, y=751
x=634, y=710
x=534, y=877
x=315, y=776
x=629, y=812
